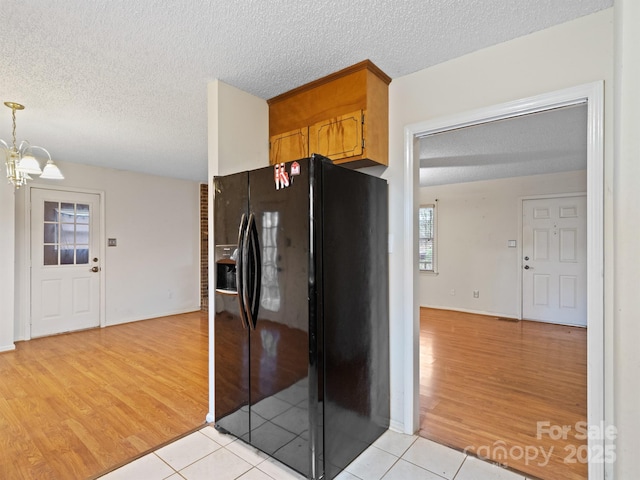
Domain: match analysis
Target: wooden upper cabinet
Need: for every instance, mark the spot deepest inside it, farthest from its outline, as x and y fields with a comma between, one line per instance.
x=344, y=116
x=338, y=138
x=289, y=146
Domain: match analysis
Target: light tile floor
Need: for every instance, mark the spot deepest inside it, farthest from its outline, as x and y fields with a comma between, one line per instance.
x=207, y=454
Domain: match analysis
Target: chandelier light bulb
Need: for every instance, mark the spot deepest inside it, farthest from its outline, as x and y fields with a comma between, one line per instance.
x=51, y=171
x=29, y=164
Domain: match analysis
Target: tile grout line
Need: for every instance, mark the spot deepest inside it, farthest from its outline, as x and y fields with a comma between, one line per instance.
x=155, y=452
x=261, y=461
x=460, y=467
x=166, y=463
x=389, y=469
x=431, y=471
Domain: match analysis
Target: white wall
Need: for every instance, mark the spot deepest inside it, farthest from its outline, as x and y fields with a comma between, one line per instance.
x=474, y=222
x=563, y=56
x=7, y=242
x=626, y=364
x=238, y=132
x=154, y=269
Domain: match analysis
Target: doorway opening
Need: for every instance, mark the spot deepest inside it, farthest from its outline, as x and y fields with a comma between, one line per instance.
x=592, y=96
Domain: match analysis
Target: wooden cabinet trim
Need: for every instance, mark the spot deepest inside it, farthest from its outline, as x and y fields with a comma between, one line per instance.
x=289, y=146
x=345, y=130
x=364, y=65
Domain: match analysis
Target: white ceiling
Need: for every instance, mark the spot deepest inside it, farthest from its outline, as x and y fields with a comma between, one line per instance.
x=123, y=83
x=548, y=142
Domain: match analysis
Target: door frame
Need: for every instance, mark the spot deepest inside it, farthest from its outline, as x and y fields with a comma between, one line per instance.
x=24, y=321
x=521, y=201
x=593, y=95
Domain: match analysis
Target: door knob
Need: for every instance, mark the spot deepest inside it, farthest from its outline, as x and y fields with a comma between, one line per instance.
x=95, y=269
x=526, y=267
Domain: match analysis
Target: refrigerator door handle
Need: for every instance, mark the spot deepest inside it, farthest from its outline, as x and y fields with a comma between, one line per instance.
x=240, y=263
x=243, y=293
x=253, y=249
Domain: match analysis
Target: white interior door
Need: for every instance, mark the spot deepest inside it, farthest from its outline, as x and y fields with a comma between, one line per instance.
x=554, y=260
x=65, y=278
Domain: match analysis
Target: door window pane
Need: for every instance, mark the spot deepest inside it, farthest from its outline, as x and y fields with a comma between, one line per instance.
x=50, y=233
x=82, y=234
x=67, y=212
x=66, y=233
x=82, y=255
x=66, y=256
x=82, y=213
x=51, y=211
x=51, y=255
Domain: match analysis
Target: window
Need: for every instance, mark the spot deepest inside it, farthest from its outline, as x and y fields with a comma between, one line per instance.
x=427, y=243
x=66, y=233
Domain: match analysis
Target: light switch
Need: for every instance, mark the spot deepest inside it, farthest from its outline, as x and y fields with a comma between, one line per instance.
x=112, y=242
x=511, y=243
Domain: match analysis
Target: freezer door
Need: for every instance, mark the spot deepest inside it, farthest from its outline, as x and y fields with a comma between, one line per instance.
x=355, y=314
x=231, y=335
x=280, y=342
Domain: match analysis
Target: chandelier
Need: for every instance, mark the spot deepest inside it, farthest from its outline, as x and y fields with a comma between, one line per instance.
x=20, y=160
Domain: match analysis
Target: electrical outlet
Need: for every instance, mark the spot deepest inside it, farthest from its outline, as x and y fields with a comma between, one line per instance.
x=476, y=294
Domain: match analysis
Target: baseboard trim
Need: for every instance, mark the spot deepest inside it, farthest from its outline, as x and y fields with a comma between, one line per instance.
x=477, y=312
x=8, y=348
x=111, y=323
x=396, y=426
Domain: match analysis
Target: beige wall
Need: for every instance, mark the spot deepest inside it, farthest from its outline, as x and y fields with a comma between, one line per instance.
x=567, y=55
x=154, y=270
x=7, y=247
x=238, y=130
x=475, y=221
x=625, y=368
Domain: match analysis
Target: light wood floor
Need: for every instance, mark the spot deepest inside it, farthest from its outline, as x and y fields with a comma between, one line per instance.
x=485, y=383
x=75, y=405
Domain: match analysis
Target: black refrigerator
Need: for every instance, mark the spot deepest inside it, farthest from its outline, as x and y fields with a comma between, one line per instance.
x=301, y=347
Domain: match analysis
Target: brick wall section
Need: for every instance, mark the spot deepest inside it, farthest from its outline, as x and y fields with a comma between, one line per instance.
x=204, y=247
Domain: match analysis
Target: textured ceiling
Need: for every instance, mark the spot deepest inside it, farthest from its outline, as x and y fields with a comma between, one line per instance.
x=123, y=84
x=549, y=142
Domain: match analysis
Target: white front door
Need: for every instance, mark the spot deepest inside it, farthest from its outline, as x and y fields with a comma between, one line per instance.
x=65, y=245
x=554, y=260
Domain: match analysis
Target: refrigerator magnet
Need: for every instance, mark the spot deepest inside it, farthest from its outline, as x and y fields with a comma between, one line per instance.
x=281, y=176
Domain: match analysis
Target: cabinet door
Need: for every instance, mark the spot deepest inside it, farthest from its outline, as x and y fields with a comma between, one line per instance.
x=289, y=146
x=338, y=137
